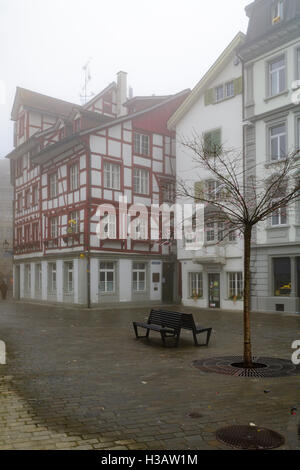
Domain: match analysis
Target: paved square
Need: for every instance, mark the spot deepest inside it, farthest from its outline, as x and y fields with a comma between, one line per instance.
x=78, y=379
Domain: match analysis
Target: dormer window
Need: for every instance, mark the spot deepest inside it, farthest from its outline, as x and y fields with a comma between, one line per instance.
x=77, y=125
x=277, y=12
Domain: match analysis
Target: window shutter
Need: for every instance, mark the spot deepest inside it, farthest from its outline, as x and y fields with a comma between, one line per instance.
x=238, y=86
x=209, y=97
x=199, y=190
x=216, y=139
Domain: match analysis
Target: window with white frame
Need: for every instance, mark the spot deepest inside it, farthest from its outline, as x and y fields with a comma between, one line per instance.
x=53, y=227
x=68, y=277
x=111, y=175
x=232, y=236
x=74, y=176
x=219, y=93
x=53, y=185
x=139, y=277
x=277, y=76
x=229, y=89
x=277, y=13
x=235, y=286
x=278, y=142
x=140, y=229
x=52, y=277
x=38, y=277
x=213, y=189
x=221, y=231
x=107, y=275
x=35, y=195
x=27, y=278
x=279, y=217
x=141, y=144
x=168, y=191
x=210, y=232
x=73, y=222
x=141, y=181
x=109, y=226
x=195, y=285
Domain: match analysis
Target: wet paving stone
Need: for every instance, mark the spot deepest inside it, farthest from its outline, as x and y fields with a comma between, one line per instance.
x=79, y=379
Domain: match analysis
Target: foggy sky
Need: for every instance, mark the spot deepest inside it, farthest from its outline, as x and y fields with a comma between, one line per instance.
x=164, y=45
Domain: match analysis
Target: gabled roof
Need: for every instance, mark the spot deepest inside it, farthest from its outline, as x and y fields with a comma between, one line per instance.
x=213, y=72
x=50, y=150
x=40, y=102
x=138, y=113
x=98, y=96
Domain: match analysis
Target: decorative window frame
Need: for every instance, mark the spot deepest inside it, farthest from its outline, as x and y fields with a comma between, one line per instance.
x=198, y=294
x=70, y=166
x=269, y=61
x=279, y=120
x=141, y=133
x=115, y=163
x=106, y=270
x=50, y=196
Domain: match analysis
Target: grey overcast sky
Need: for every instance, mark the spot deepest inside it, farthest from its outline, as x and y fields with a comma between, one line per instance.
x=164, y=45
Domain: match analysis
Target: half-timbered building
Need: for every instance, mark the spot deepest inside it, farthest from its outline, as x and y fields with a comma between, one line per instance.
x=68, y=160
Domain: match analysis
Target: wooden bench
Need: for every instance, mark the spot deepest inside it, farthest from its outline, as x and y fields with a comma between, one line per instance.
x=169, y=323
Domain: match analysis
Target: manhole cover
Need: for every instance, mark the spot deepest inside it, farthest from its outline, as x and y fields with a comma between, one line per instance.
x=249, y=437
x=232, y=365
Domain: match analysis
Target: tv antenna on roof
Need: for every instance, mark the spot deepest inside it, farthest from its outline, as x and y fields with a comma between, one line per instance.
x=84, y=94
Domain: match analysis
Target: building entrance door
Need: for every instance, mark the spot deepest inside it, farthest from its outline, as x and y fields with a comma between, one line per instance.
x=214, y=290
x=168, y=282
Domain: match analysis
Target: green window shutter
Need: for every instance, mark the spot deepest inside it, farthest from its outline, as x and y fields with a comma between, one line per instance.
x=216, y=139
x=238, y=86
x=199, y=190
x=209, y=96
x=207, y=141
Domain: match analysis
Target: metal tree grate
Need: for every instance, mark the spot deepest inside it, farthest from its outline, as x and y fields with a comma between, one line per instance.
x=250, y=437
x=263, y=367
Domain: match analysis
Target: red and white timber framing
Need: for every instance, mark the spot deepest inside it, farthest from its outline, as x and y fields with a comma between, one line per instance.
x=52, y=149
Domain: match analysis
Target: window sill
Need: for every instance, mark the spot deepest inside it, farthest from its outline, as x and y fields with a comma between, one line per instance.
x=141, y=195
x=282, y=93
x=275, y=162
x=277, y=227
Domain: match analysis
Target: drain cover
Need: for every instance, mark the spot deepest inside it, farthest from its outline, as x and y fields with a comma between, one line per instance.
x=250, y=437
x=263, y=366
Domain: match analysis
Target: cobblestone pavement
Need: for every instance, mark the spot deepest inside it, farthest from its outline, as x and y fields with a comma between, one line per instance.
x=78, y=379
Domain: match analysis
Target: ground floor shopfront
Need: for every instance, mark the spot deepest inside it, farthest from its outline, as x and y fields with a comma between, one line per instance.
x=104, y=279
x=276, y=278
x=213, y=285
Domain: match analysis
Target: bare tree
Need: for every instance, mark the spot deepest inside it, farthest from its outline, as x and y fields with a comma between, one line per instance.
x=241, y=199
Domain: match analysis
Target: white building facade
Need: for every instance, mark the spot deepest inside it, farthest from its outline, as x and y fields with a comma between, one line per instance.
x=211, y=276
x=271, y=56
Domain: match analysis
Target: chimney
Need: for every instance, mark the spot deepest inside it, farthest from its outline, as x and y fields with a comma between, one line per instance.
x=121, y=93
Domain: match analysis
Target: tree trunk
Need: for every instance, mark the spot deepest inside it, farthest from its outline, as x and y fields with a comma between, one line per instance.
x=247, y=295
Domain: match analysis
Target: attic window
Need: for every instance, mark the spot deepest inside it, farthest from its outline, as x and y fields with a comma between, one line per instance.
x=277, y=15
x=77, y=125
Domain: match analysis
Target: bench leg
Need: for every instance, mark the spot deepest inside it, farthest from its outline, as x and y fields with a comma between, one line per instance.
x=163, y=338
x=177, y=340
x=208, y=336
x=136, y=332
x=208, y=333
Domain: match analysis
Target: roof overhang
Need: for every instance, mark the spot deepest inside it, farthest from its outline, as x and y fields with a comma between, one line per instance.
x=60, y=148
